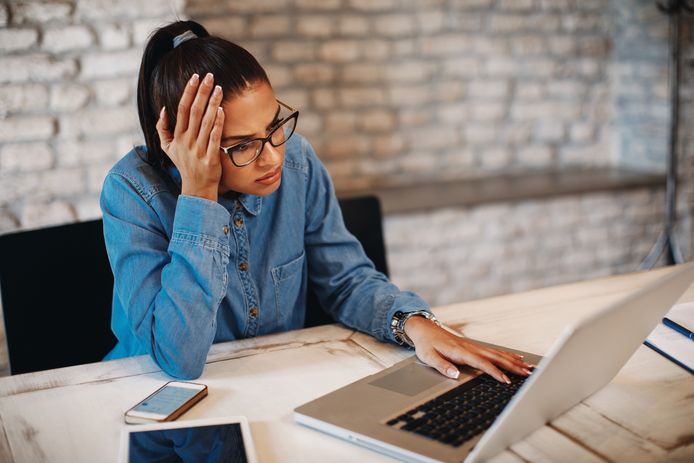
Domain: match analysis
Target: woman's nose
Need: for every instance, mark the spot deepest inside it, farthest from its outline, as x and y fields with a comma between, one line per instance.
x=270, y=155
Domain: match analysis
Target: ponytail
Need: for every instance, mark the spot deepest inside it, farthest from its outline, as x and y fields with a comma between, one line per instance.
x=165, y=70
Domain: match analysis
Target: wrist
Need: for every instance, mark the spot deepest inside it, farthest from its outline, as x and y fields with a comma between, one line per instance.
x=414, y=325
x=205, y=193
x=400, y=320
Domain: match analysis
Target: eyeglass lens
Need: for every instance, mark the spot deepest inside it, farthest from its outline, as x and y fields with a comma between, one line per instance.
x=247, y=152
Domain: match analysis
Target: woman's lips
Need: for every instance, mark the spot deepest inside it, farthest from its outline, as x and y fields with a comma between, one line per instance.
x=271, y=178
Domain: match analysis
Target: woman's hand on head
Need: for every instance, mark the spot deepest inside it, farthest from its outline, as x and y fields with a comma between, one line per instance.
x=444, y=350
x=194, y=145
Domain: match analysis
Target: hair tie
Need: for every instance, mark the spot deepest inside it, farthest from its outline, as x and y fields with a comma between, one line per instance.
x=184, y=37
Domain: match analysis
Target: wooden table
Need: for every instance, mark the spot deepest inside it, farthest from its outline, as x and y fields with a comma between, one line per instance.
x=76, y=414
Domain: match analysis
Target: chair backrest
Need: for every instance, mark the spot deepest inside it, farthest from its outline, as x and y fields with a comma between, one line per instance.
x=56, y=286
x=362, y=216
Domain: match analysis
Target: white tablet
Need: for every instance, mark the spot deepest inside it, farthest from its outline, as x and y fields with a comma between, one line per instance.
x=210, y=440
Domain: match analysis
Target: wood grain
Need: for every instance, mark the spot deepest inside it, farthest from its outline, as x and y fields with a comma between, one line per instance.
x=645, y=414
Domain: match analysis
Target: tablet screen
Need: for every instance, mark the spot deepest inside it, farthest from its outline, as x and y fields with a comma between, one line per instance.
x=212, y=444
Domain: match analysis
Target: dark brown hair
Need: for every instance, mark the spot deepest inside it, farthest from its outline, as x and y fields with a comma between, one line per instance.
x=165, y=71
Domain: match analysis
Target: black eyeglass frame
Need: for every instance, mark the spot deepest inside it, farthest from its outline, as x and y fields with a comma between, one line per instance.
x=228, y=150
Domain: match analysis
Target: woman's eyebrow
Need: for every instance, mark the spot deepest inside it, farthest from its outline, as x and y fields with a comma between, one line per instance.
x=243, y=137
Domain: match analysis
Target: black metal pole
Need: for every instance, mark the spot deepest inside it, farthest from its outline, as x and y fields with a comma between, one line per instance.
x=667, y=241
x=674, y=255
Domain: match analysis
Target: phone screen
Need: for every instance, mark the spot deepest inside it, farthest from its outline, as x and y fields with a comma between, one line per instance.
x=167, y=400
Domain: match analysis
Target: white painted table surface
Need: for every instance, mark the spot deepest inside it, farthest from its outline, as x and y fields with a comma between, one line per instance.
x=75, y=414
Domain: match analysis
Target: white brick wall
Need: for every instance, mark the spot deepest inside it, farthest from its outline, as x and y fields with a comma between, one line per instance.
x=17, y=39
x=388, y=89
x=17, y=98
x=37, y=67
x=39, y=12
x=534, y=76
x=18, y=128
x=70, y=38
x=67, y=91
x=458, y=254
x=26, y=157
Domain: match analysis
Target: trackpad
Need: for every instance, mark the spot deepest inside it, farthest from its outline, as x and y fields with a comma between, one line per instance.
x=410, y=379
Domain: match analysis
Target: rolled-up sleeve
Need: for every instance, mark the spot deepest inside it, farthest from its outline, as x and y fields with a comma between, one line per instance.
x=346, y=282
x=170, y=289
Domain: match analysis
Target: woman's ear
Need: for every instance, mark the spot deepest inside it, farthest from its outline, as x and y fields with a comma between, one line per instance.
x=165, y=136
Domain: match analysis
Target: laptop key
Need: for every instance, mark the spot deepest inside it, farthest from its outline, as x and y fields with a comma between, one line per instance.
x=460, y=414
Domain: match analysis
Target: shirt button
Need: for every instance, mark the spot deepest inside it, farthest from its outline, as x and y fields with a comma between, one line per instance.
x=226, y=229
x=238, y=221
x=253, y=312
x=243, y=266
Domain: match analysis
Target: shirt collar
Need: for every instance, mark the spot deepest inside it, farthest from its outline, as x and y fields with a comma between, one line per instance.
x=251, y=203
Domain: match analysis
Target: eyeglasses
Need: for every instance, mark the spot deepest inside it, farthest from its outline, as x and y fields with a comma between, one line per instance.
x=247, y=151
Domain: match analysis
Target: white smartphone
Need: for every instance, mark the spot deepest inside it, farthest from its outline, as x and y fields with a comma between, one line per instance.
x=166, y=403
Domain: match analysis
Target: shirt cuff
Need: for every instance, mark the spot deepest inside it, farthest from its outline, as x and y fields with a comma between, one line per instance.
x=201, y=220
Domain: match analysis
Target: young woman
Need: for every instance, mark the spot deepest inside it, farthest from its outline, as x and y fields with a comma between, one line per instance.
x=215, y=228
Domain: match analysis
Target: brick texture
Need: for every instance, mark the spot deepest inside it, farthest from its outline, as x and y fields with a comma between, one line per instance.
x=459, y=254
x=397, y=89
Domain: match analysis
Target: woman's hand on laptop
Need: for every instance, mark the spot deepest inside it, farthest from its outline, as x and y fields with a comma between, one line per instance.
x=442, y=350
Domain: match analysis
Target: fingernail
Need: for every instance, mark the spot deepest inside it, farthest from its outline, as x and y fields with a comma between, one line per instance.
x=527, y=372
x=508, y=381
x=217, y=90
x=208, y=78
x=194, y=79
x=452, y=373
x=161, y=113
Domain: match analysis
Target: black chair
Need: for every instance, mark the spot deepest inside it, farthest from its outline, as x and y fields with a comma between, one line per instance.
x=362, y=218
x=56, y=286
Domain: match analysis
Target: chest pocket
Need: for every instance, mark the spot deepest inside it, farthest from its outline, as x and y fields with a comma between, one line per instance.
x=287, y=280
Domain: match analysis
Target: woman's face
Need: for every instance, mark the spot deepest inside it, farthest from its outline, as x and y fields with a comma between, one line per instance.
x=249, y=115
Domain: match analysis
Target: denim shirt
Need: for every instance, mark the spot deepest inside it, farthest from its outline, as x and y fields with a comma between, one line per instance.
x=189, y=272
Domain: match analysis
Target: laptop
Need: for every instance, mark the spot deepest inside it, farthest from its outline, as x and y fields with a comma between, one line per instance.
x=411, y=412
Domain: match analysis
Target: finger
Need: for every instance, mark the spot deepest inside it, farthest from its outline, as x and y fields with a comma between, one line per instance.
x=495, y=353
x=197, y=109
x=163, y=129
x=509, y=364
x=216, y=134
x=432, y=358
x=184, y=105
x=208, y=121
x=511, y=354
x=489, y=368
x=505, y=355
x=508, y=360
x=459, y=354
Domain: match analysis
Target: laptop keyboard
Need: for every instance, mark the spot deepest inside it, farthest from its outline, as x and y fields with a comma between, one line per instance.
x=458, y=415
